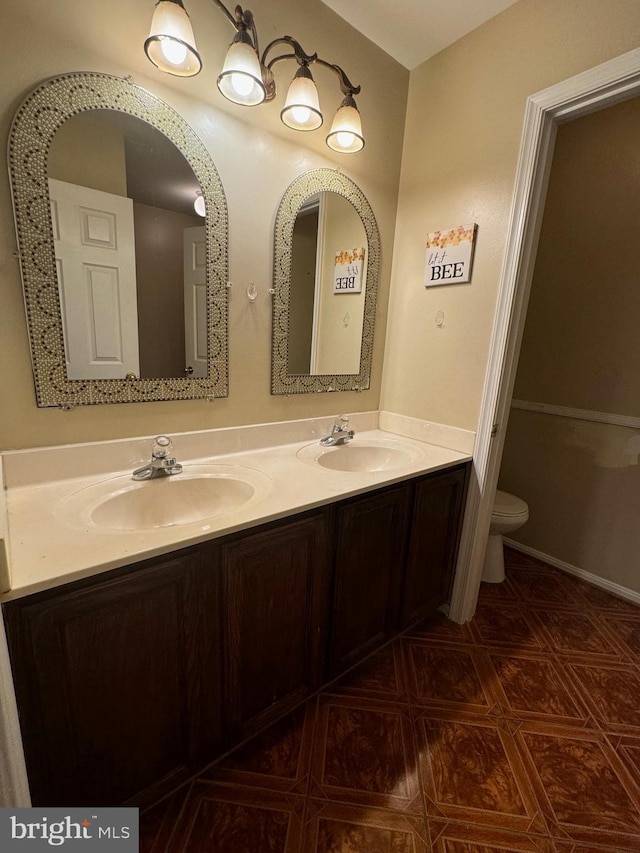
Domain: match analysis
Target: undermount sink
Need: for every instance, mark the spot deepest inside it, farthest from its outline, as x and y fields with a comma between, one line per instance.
x=199, y=493
x=364, y=456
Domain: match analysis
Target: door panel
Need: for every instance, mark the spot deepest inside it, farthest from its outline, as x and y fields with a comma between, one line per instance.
x=370, y=553
x=275, y=594
x=108, y=680
x=435, y=535
x=95, y=258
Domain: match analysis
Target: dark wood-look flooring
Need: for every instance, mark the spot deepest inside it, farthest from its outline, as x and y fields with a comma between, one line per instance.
x=518, y=732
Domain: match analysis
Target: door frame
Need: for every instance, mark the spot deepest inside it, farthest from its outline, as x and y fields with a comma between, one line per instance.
x=595, y=89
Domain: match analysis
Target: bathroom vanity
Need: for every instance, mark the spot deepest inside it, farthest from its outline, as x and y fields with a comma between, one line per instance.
x=132, y=678
x=153, y=624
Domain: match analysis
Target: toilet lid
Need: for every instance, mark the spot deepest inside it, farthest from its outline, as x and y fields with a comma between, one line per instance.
x=506, y=504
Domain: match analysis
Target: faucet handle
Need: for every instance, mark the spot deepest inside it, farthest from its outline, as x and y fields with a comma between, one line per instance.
x=342, y=422
x=161, y=447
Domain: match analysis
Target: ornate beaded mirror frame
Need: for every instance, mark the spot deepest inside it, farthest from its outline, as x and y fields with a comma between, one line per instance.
x=300, y=190
x=39, y=117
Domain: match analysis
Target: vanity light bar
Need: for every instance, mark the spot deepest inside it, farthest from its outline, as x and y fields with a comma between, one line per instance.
x=247, y=77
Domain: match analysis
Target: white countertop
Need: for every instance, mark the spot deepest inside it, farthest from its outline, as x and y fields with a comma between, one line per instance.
x=49, y=546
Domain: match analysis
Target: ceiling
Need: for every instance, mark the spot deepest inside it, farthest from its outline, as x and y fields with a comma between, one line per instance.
x=413, y=30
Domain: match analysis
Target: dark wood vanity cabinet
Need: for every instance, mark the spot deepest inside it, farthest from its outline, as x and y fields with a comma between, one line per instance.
x=394, y=561
x=371, y=539
x=131, y=682
x=433, y=543
x=275, y=589
x=120, y=685
x=117, y=684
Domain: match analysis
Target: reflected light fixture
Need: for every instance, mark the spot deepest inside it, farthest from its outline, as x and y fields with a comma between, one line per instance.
x=247, y=76
x=199, y=204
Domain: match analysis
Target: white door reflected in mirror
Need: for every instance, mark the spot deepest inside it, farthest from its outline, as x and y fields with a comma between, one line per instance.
x=195, y=301
x=95, y=257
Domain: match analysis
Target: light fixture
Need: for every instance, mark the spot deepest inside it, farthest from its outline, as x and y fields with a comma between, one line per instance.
x=171, y=45
x=240, y=80
x=345, y=135
x=302, y=107
x=247, y=76
x=199, y=204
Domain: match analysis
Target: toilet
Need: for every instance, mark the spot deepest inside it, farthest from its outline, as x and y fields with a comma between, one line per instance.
x=509, y=513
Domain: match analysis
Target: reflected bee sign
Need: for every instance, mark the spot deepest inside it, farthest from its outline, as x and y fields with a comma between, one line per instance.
x=347, y=275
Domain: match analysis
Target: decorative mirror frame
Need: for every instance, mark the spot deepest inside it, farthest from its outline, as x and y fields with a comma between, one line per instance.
x=308, y=184
x=41, y=114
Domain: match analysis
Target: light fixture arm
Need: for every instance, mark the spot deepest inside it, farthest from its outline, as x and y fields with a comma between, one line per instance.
x=346, y=86
x=242, y=20
x=302, y=58
x=298, y=54
x=227, y=13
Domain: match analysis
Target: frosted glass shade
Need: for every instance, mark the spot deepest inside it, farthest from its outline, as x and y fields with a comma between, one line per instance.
x=241, y=78
x=345, y=135
x=171, y=46
x=301, y=110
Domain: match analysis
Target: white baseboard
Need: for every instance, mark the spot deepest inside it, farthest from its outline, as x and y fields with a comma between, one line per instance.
x=595, y=580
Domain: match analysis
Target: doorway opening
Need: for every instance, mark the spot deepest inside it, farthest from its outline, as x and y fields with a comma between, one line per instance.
x=600, y=87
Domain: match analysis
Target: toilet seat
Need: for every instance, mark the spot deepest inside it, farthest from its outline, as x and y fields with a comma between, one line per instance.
x=508, y=506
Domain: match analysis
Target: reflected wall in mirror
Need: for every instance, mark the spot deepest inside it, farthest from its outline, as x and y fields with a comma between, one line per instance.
x=327, y=259
x=125, y=285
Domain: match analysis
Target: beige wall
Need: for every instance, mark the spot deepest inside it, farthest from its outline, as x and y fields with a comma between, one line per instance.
x=464, y=123
x=581, y=479
x=580, y=345
x=257, y=159
x=463, y=127
x=89, y=154
x=159, y=280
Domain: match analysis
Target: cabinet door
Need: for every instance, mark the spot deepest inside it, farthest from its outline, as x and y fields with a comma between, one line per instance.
x=108, y=679
x=370, y=554
x=275, y=594
x=435, y=533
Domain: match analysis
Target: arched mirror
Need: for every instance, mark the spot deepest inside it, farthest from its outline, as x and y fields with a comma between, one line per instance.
x=326, y=267
x=125, y=282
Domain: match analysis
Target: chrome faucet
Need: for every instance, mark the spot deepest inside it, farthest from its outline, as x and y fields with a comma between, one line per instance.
x=339, y=433
x=162, y=463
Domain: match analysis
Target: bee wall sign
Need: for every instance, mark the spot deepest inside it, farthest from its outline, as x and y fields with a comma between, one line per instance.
x=450, y=256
